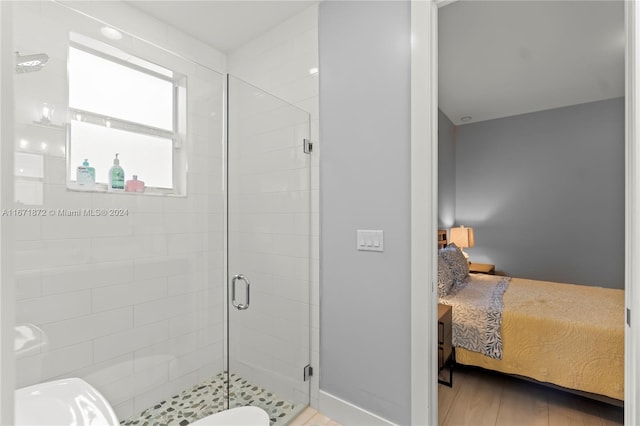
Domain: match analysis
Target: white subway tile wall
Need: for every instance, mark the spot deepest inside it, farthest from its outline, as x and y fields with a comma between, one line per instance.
x=132, y=303
x=283, y=62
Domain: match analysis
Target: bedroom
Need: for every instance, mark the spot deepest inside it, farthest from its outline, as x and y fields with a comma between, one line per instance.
x=522, y=158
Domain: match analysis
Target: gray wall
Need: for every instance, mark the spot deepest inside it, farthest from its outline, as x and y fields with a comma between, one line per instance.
x=545, y=193
x=365, y=184
x=446, y=172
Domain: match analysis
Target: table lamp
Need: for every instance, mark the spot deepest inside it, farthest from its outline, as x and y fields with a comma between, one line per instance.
x=463, y=238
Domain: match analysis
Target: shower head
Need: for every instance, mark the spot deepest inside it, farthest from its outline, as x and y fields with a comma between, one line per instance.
x=30, y=63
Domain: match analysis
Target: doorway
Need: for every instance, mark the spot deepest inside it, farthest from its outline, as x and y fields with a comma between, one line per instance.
x=424, y=204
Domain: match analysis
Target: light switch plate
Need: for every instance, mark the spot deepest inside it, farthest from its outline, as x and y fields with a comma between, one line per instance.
x=370, y=240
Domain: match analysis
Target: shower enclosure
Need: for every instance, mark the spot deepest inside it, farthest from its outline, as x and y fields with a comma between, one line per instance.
x=190, y=297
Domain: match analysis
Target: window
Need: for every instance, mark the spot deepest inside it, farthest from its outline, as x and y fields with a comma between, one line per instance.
x=123, y=104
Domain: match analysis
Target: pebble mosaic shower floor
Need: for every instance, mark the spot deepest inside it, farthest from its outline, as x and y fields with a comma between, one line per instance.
x=208, y=397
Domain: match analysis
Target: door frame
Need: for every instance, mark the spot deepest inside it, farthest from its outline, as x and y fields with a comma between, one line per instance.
x=424, y=203
x=424, y=213
x=7, y=249
x=632, y=210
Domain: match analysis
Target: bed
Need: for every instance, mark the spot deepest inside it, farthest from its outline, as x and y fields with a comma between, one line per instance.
x=564, y=335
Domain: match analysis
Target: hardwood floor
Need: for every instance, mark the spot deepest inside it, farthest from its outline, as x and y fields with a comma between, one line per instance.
x=312, y=417
x=483, y=398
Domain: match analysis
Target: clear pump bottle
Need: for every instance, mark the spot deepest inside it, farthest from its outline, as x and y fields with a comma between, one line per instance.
x=116, y=176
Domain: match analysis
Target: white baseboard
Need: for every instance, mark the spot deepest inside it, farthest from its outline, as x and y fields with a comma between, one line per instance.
x=346, y=413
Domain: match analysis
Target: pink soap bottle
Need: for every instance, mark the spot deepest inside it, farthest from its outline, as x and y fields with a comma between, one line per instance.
x=134, y=185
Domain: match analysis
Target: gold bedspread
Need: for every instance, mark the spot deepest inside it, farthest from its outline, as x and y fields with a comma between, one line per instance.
x=566, y=334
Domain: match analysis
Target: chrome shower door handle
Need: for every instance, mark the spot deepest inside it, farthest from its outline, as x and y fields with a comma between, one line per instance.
x=234, y=302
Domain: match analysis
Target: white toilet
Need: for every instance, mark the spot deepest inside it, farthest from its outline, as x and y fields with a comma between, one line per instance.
x=75, y=402
x=63, y=402
x=240, y=416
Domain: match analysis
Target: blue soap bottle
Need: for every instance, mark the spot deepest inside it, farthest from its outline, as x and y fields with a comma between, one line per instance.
x=90, y=170
x=86, y=175
x=116, y=176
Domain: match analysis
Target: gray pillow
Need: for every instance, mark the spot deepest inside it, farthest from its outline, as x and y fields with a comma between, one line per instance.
x=445, y=278
x=457, y=262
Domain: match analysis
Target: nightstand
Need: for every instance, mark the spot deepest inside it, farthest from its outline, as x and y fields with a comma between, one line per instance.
x=446, y=355
x=482, y=268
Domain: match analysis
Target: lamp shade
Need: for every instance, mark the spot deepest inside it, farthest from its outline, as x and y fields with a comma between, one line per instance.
x=462, y=237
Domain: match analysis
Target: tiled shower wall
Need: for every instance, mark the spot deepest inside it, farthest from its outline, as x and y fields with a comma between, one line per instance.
x=133, y=304
x=284, y=62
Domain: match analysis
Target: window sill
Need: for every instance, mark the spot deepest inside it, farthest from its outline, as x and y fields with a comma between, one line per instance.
x=102, y=188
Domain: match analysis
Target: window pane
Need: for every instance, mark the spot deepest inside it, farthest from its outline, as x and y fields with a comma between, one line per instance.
x=104, y=87
x=148, y=157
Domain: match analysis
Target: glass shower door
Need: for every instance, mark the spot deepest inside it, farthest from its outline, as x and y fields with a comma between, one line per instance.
x=269, y=238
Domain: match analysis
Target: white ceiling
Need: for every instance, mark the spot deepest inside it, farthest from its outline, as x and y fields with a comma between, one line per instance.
x=502, y=58
x=224, y=25
x=496, y=58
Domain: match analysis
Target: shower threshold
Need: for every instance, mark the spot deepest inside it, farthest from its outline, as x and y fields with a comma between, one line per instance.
x=208, y=397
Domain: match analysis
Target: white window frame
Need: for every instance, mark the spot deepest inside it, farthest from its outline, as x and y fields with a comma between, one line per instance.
x=177, y=134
